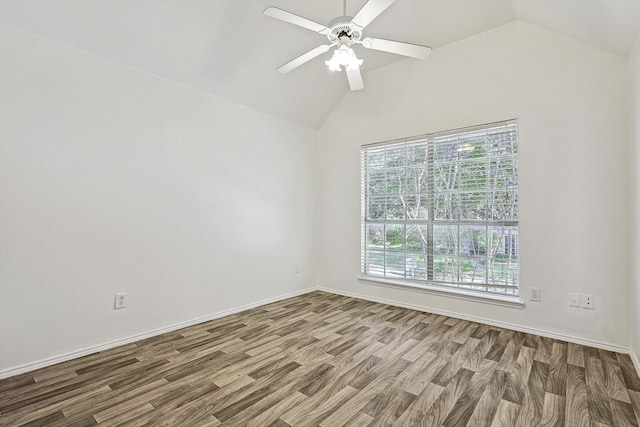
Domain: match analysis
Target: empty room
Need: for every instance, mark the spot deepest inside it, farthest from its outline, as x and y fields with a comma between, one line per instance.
x=320, y=213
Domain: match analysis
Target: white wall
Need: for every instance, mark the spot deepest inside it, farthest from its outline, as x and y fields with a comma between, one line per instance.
x=634, y=193
x=115, y=180
x=570, y=100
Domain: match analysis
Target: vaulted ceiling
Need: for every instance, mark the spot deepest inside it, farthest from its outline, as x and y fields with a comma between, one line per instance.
x=229, y=49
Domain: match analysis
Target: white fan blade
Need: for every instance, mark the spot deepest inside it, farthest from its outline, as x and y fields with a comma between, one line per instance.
x=407, y=49
x=370, y=11
x=295, y=63
x=355, y=79
x=294, y=19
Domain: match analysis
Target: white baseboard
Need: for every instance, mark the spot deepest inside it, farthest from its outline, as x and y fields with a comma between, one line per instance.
x=526, y=329
x=634, y=359
x=127, y=340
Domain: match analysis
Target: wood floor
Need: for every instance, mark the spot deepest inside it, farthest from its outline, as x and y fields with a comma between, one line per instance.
x=323, y=359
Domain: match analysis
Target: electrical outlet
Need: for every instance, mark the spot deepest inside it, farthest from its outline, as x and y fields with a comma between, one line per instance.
x=120, y=300
x=587, y=302
x=534, y=294
x=574, y=300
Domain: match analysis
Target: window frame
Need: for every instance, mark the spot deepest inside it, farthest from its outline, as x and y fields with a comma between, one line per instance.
x=509, y=294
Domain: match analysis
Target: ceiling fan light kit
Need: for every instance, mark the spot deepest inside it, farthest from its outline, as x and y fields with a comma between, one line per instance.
x=344, y=56
x=344, y=32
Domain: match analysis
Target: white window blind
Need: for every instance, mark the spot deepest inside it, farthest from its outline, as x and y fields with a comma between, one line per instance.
x=442, y=209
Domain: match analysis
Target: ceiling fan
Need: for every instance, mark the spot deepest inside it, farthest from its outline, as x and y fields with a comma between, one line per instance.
x=344, y=32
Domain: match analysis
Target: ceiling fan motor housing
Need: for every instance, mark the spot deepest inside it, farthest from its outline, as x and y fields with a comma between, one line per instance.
x=343, y=31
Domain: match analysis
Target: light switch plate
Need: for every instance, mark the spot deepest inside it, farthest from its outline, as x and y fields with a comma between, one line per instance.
x=574, y=300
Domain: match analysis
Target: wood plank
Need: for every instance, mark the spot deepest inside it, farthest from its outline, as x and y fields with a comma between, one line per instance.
x=616, y=388
x=533, y=401
x=417, y=410
x=464, y=406
x=556, y=383
x=553, y=411
x=599, y=407
x=456, y=387
x=516, y=385
x=623, y=414
x=506, y=414
x=577, y=400
x=575, y=354
x=487, y=406
x=360, y=420
x=635, y=403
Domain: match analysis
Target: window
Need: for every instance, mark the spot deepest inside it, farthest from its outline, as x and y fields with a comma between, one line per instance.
x=442, y=209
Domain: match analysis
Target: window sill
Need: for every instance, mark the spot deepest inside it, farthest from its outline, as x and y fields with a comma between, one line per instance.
x=511, y=302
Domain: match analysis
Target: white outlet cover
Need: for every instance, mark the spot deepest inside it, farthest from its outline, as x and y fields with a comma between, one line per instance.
x=120, y=300
x=534, y=294
x=587, y=301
